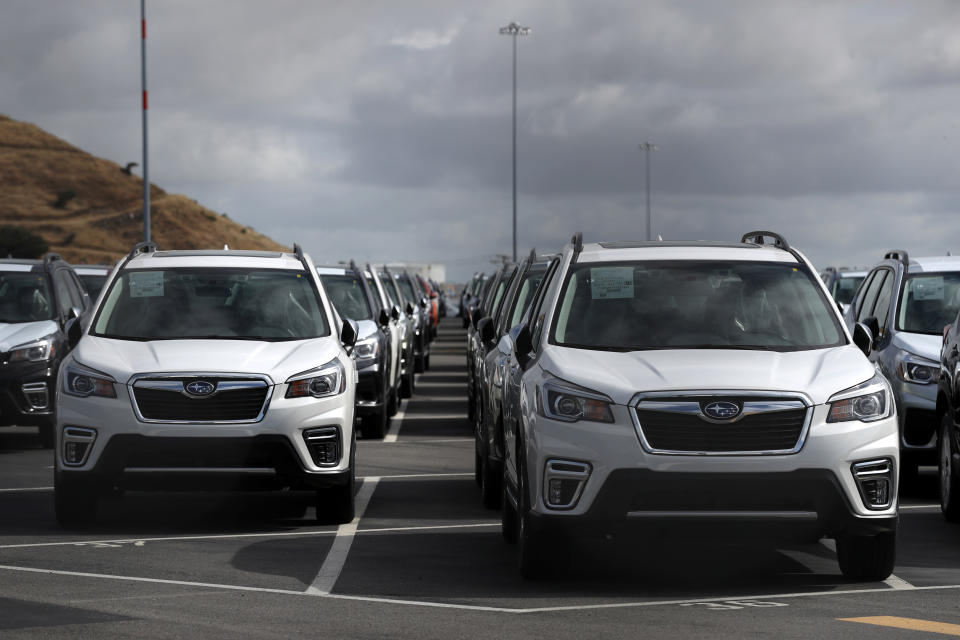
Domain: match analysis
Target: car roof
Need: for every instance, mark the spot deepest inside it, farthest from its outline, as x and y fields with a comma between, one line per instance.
x=20, y=265
x=91, y=269
x=617, y=251
x=224, y=258
x=334, y=271
x=934, y=264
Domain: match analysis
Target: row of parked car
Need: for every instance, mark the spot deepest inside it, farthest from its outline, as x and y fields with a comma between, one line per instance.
x=671, y=390
x=210, y=369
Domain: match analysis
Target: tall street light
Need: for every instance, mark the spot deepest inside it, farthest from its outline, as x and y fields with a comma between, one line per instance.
x=143, y=82
x=513, y=29
x=648, y=147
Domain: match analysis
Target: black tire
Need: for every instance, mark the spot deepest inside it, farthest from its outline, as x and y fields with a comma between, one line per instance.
x=418, y=363
x=406, y=386
x=47, y=433
x=949, y=482
x=374, y=426
x=74, y=501
x=867, y=558
x=335, y=505
x=426, y=362
x=393, y=403
x=491, y=475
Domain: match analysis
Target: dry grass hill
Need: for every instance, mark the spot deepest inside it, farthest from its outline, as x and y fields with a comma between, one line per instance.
x=102, y=221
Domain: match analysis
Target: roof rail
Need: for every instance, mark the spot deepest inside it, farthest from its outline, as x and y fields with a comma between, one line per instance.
x=533, y=255
x=756, y=237
x=577, y=241
x=899, y=255
x=50, y=257
x=142, y=247
x=298, y=252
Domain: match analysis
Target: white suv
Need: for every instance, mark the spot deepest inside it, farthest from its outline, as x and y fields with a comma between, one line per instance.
x=208, y=370
x=662, y=388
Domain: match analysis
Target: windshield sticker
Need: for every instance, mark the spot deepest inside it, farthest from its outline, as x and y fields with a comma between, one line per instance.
x=146, y=284
x=930, y=288
x=607, y=283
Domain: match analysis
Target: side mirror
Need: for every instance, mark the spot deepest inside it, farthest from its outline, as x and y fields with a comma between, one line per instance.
x=863, y=338
x=423, y=302
x=874, y=325
x=74, y=313
x=395, y=312
x=523, y=345
x=486, y=330
x=410, y=308
x=74, y=331
x=349, y=333
x=383, y=318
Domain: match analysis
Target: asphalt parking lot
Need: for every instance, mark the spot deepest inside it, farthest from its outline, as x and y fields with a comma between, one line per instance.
x=425, y=559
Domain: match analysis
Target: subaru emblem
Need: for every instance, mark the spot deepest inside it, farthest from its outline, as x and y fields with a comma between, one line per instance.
x=201, y=388
x=721, y=410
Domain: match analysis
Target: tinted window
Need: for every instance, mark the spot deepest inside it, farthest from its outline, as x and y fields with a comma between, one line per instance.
x=407, y=288
x=929, y=302
x=24, y=297
x=229, y=304
x=93, y=284
x=347, y=296
x=65, y=293
x=521, y=301
x=870, y=297
x=694, y=305
x=882, y=307
x=389, y=288
x=844, y=287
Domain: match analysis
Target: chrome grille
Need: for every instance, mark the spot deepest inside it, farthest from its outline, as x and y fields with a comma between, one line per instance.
x=765, y=425
x=166, y=398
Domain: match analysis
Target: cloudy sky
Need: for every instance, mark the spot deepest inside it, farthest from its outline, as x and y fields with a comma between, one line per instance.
x=381, y=129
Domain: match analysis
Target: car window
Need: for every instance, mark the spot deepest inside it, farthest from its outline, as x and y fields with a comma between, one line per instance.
x=212, y=303
x=929, y=302
x=881, y=310
x=844, y=287
x=93, y=284
x=64, y=293
x=870, y=295
x=690, y=304
x=538, y=315
x=25, y=297
x=521, y=301
x=347, y=296
x=389, y=288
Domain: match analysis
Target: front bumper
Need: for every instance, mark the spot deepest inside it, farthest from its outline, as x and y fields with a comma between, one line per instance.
x=27, y=393
x=812, y=492
x=267, y=454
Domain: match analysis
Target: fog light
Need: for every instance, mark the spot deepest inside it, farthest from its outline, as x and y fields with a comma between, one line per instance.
x=564, y=481
x=77, y=442
x=323, y=443
x=875, y=482
x=36, y=395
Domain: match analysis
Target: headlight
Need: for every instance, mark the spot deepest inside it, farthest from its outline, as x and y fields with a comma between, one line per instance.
x=867, y=402
x=83, y=382
x=366, y=349
x=328, y=380
x=917, y=370
x=567, y=402
x=34, y=352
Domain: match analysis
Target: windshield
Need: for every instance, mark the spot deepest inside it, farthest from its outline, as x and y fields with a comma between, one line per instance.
x=407, y=287
x=24, y=297
x=844, y=287
x=388, y=287
x=93, y=284
x=694, y=305
x=228, y=304
x=929, y=302
x=347, y=296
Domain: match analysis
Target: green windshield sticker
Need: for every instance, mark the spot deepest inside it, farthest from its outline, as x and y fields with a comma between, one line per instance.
x=607, y=283
x=146, y=284
x=928, y=288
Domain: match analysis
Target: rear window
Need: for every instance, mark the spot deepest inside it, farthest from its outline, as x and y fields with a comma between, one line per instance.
x=694, y=305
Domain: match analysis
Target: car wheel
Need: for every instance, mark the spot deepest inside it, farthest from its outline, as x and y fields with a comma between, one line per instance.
x=418, y=363
x=47, y=435
x=490, y=478
x=335, y=505
x=867, y=558
x=406, y=386
x=393, y=404
x=426, y=363
x=374, y=427
x=949, y=483
x=74, y=502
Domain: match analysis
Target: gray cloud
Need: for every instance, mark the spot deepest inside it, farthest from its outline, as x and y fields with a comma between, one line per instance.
x=381, y=129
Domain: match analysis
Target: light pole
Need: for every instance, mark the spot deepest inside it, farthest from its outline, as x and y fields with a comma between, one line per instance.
x=648, y=147
x=513, y=29
x=143, y=82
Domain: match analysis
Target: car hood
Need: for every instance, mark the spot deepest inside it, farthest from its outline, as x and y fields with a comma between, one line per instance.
x=123, y=359
x=18, y=333
x=921, y=344
x=819, y=373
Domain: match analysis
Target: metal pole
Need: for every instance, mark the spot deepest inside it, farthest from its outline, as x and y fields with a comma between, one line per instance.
x=143, y=82
x=514, y=147
x=649, y=218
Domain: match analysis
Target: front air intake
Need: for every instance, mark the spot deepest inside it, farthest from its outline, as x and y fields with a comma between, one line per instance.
x=875, y=481
x=324, y=445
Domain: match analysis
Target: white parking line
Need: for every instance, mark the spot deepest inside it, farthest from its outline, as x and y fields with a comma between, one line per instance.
x=910, y=507
x=425, y=475
x=16, y=489
x=395, y=424
x=337, y=555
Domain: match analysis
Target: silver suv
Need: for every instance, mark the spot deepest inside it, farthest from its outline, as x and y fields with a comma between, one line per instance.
x=906, y=303
x=208, y=369
x=661, y=387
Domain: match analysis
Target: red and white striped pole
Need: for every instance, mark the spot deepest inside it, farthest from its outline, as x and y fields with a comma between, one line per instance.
x=143, y=81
